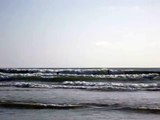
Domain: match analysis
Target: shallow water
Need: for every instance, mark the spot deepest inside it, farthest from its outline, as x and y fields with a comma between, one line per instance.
x=98, y=104
x=78, y=114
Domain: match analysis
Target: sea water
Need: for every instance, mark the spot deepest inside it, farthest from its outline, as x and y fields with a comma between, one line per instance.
x=76, y=94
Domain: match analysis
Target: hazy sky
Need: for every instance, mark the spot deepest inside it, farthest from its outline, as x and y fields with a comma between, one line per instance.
x=79, y=33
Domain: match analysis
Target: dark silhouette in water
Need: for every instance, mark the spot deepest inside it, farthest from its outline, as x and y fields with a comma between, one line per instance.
x=108, y=72
x=57, y=73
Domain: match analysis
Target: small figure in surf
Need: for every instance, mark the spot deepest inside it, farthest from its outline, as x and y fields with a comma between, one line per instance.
x=57, y=73
x=108, y=72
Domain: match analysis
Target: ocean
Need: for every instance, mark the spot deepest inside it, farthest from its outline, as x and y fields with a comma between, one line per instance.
x=79, y=93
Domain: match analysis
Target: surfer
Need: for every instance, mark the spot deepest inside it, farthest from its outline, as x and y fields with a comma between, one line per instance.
x=108, y=71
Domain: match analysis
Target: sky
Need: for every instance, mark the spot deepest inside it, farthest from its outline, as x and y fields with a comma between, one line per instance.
x=79, y=33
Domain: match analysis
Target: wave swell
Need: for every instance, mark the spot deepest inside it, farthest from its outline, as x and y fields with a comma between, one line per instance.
x=116, y=106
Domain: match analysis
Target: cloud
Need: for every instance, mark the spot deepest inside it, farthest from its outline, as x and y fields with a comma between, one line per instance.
x=133, y=45
x=103, y=43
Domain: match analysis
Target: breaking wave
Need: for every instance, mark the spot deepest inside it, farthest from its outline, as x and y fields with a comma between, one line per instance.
x=119, y=79
x=102, y=86
x=78, y=74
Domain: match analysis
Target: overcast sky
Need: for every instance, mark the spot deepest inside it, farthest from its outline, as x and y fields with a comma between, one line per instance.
x=79, y=33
